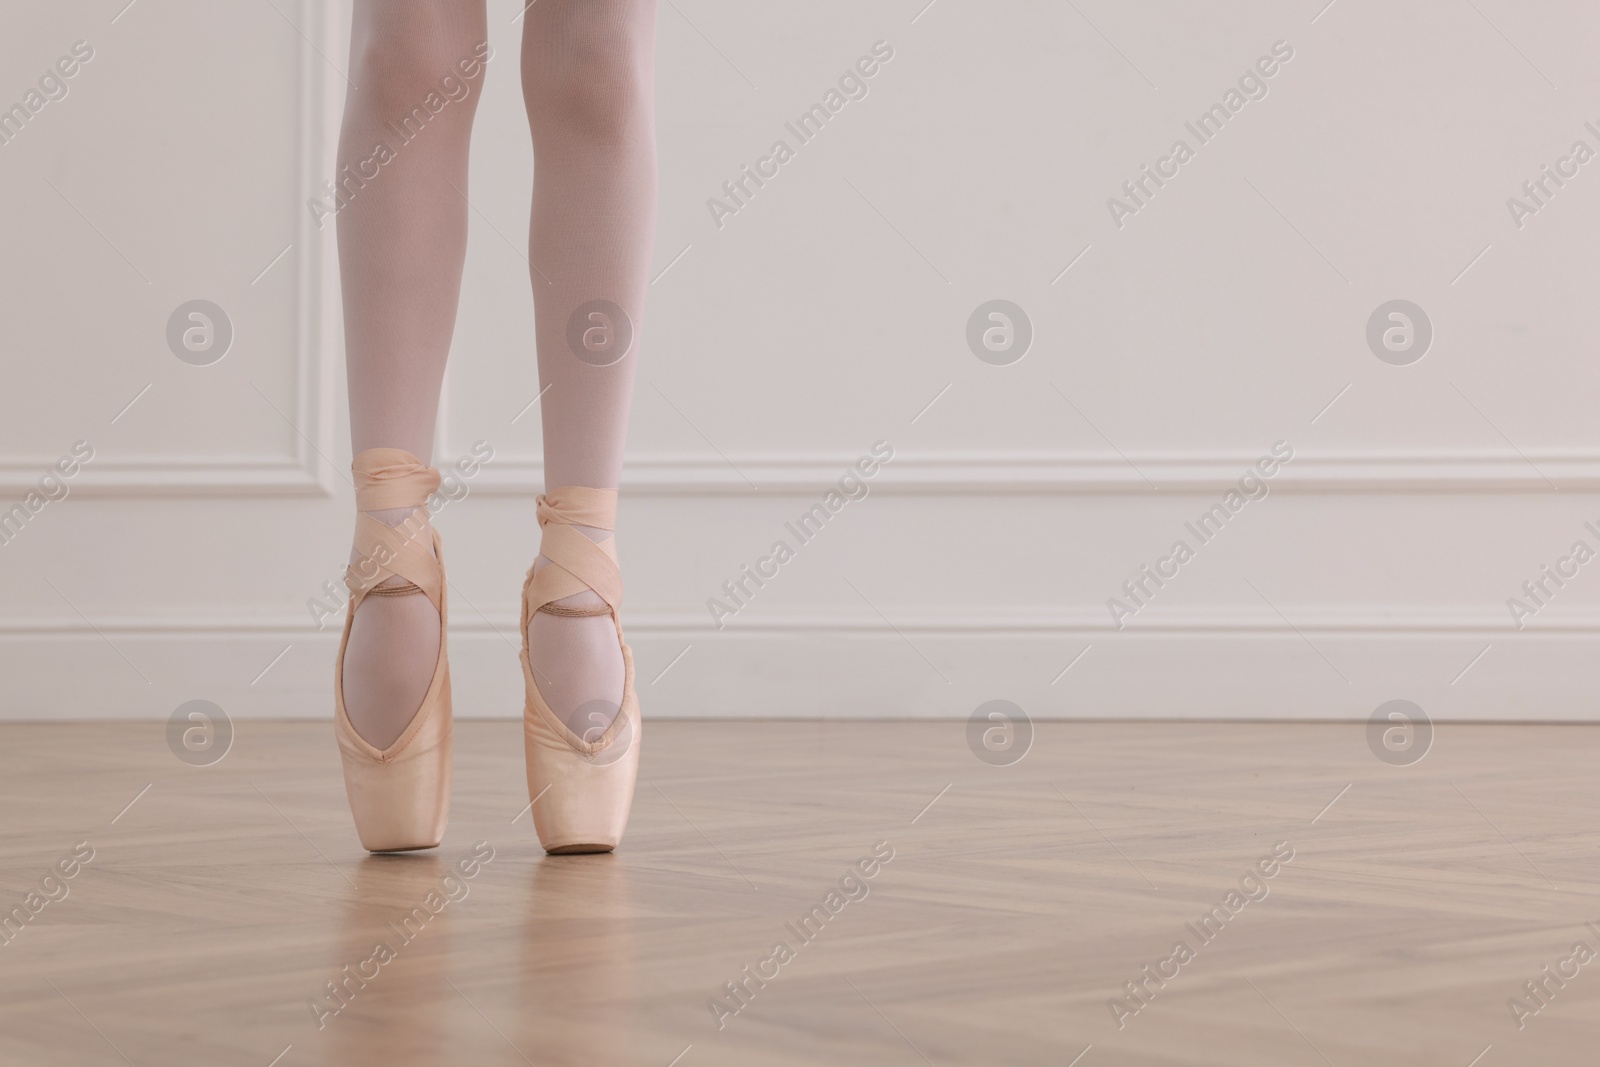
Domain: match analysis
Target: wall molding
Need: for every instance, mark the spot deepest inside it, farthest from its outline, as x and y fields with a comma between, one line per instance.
x=304, y=472
x=973, y=474
x=1048, y=474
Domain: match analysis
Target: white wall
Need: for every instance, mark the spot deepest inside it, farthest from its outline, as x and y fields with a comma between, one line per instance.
x=1222, y=317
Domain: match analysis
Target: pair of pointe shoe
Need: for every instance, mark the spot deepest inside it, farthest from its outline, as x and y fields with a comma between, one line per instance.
x=581, y=788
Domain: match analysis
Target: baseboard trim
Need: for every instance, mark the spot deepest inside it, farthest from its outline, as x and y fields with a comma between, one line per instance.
x=1087, y=619
x=1328, y=665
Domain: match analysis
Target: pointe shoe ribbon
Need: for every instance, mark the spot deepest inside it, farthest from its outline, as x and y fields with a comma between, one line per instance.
x=393, y=478
x=577, y=563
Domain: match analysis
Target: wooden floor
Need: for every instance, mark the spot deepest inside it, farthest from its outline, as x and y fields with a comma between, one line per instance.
x=1019, y=901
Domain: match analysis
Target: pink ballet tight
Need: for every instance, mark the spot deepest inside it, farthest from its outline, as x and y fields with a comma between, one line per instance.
x=587, y=78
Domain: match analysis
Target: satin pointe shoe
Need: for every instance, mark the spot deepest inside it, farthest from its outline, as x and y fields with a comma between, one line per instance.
x=400, y=795
x=581, y=787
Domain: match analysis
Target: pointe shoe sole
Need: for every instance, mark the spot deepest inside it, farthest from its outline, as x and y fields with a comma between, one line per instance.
x=578, y=850
x=397, y=851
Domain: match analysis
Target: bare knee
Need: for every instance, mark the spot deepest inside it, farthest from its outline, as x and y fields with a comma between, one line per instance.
x=588, y=70
x=417, y=60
